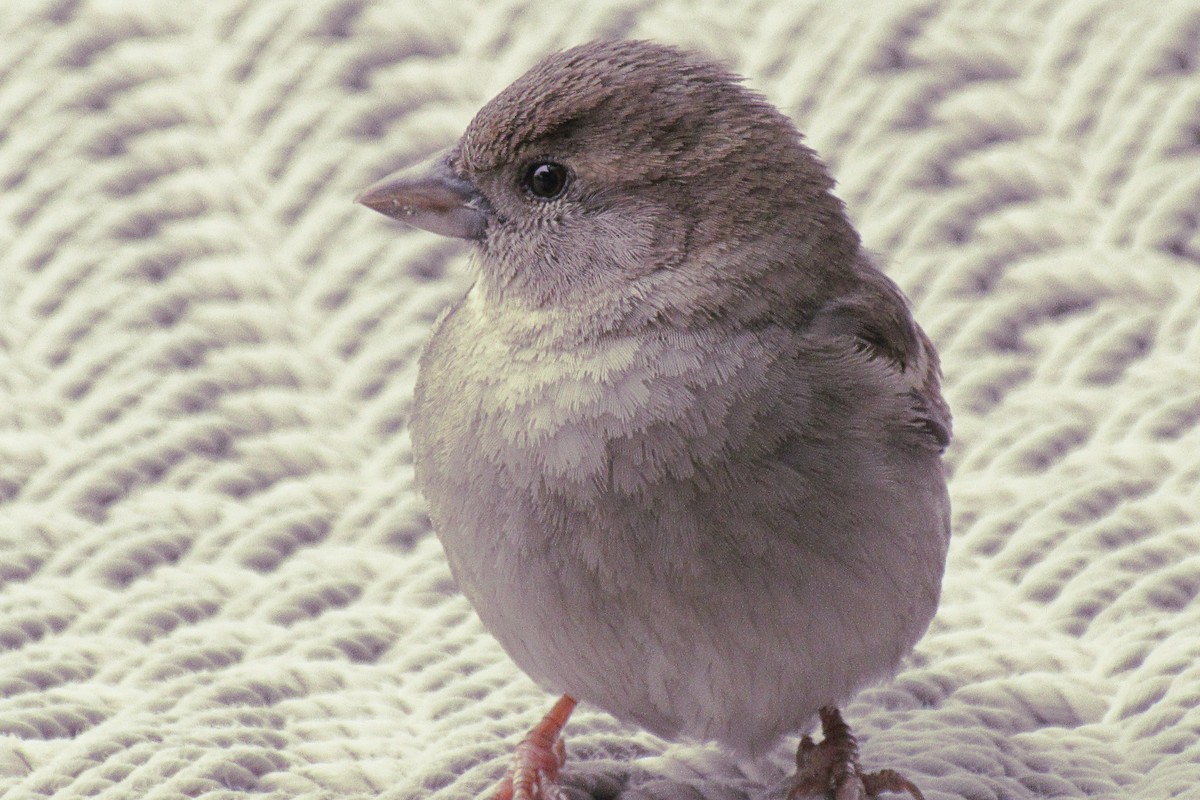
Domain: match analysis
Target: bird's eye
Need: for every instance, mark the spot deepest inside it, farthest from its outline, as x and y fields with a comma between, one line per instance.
x=545, y=180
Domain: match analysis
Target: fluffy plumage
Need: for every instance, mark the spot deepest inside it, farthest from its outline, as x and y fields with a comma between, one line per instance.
x=681, y=440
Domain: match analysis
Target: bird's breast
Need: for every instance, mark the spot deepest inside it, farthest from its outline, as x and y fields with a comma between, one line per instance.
x=621, y=517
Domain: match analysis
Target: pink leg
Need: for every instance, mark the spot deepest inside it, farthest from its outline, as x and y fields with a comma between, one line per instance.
x=538, y=758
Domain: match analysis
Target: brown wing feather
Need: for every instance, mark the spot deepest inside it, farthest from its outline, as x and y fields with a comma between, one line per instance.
x=877, y=316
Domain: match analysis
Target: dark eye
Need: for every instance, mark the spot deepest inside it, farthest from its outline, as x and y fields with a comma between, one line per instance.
x=545, y=179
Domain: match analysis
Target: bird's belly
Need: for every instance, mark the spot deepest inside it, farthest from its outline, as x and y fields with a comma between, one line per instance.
x=624, y=524
x=680, y=625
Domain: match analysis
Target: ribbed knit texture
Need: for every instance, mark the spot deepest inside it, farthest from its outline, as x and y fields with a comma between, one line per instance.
x=216, y=579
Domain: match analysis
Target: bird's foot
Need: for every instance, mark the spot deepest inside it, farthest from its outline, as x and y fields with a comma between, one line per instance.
x=538, y=758
x=831, y=767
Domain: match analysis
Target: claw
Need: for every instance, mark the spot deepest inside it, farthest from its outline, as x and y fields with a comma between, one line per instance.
x=538, y=758
x=832, y=766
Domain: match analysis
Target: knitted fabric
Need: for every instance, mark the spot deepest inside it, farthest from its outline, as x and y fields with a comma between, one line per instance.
x=216, y=577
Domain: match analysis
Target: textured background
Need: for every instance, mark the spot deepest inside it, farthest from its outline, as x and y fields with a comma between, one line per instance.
x=215, y=577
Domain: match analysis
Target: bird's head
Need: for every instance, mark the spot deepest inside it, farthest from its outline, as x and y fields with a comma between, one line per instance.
x=633, y=175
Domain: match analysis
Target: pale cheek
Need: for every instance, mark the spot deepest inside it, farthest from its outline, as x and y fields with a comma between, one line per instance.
x=581, y=252
x=624, y=240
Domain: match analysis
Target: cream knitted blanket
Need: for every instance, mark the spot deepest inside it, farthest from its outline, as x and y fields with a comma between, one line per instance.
x=216, y=579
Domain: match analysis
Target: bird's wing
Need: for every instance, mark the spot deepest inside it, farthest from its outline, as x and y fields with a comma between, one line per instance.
x=876, y=316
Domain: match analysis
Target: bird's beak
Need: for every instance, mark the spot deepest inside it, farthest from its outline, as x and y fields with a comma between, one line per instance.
x=431, y=196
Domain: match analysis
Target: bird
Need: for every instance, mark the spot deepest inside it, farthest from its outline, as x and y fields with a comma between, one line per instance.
x=682, y=438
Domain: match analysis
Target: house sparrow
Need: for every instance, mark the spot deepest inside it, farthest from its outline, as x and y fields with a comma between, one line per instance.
x=681, y=440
